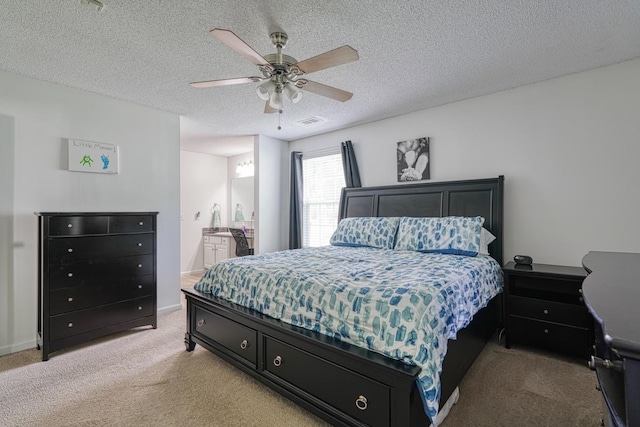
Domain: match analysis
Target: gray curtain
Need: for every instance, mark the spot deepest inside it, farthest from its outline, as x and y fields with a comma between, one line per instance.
x=295, y=202
x=350, y=166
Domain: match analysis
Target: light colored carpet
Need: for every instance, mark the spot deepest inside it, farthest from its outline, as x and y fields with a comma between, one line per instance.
x=145, y=377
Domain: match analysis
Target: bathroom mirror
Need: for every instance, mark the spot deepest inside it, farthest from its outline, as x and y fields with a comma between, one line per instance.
x=241, y=202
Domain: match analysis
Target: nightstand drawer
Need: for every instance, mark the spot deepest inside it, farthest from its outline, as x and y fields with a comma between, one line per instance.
x=550, y=311
x=552, y=336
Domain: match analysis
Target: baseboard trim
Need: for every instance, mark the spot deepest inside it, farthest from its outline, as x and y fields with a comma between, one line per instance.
x=170, y=308
x=14, y=348
x=186, y=273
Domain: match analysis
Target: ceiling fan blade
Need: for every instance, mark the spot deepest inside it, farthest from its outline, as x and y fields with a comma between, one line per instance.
x=236, y=43
x=226, y=82
x=268, y=109
x=324, y=90
x=339, y=56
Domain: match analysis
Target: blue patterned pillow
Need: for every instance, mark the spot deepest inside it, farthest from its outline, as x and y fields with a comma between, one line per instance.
x=447, y=235
x=366, y=231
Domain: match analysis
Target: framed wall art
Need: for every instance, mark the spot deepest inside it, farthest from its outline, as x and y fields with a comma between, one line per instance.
x=96, y=157
x=413, y=160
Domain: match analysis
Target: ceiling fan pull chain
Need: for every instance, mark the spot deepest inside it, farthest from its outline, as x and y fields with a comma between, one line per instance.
x=279, y=114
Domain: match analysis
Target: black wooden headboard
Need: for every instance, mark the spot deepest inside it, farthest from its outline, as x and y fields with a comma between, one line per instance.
x=478, y=197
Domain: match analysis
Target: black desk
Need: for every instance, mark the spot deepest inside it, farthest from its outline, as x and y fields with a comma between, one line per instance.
x=612, y=294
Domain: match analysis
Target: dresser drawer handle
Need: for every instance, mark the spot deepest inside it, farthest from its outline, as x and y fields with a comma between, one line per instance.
x=361, y=403
x=139, y=265
x=70, y=250
x=70, y=274
x=139, y=308
x=139, y=286
x=69, y=225
x=277, y=361
x=545, y=311
x=69, y=325
x=244, y=344
x=70, y=299
x=201, y=322
x=141, y=223
x=546, y=331
x=139, y=244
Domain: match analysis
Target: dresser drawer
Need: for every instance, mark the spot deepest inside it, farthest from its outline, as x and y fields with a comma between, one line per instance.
x=235, y=337
x=71, y=299
x=81, y=321
x=78, y=225
x=360, y=397
x=550, y=311
x=553, y=336
x=63, y=250
x=130, y=223
x=99, y=271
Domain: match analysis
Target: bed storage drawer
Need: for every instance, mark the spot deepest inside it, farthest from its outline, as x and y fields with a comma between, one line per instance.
x=359, y=397
x=233, y=336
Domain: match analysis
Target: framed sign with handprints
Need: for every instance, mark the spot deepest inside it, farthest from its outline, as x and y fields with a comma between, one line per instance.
x=96, y=157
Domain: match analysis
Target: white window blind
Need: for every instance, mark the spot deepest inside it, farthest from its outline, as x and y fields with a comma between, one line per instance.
x=323, y=179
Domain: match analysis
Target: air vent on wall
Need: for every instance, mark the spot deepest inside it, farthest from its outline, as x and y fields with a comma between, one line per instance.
x=311, y=120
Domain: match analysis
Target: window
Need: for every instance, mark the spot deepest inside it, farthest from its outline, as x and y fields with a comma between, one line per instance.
x=323, y=179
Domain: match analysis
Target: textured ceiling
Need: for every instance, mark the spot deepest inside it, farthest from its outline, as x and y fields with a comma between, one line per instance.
x=413, y=54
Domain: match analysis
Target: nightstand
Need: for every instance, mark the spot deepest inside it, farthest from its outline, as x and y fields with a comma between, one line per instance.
x=543, y=307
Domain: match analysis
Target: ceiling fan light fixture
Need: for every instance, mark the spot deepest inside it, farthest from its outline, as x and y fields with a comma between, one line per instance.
x=276, y=100
x=293, y=93
x=265, y=89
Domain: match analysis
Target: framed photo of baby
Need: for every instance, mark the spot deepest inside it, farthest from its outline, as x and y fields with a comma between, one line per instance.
x=413, y=160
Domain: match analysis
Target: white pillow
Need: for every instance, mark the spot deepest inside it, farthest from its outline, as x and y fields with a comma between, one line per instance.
x=485, y=239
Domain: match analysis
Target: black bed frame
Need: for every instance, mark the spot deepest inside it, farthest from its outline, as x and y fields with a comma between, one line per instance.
x=341, y=383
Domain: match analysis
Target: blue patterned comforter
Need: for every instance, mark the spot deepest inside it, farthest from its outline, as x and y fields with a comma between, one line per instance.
x=403, y=304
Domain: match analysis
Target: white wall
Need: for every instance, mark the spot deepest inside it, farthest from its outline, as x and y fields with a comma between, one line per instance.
x=568, y=148
x=203, y=182
x=45, y=115
x=271, y=173
x=7, y=309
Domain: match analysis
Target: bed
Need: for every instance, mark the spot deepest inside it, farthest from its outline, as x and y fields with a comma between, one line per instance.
x=319, y=365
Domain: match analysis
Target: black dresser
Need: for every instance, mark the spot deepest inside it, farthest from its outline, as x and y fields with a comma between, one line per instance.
x=96, y=275
x=612, y=294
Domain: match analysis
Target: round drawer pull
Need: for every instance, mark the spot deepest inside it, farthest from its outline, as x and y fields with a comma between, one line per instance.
x=69, y=325
x=139, y=265
x=546, y=331
x=70, y=274
x=361, y=403
x=201, y=322
x=139, y=286
x=139, y=308
x=277, y=361
x=70, y=250
x=69, y=225
x=139, y=244
x=244, y=344
x=545, y=311
x=141, y=223
x=70, y=299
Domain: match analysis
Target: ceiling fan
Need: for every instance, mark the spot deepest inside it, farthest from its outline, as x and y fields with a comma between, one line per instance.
x=283, y=74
